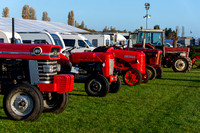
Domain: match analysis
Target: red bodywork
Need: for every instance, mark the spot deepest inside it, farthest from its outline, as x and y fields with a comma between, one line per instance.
x=153, y=56
x=128, y=59
x=62, y=83
x=90, y=57
x=25, y=51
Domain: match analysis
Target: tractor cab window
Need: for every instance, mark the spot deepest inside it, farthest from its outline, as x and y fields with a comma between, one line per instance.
x=154, y=38
x=81, y=43
x=57, y=40
x=141, y=37
x=69, y=42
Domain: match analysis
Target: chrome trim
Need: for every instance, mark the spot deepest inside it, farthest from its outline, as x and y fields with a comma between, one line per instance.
x=24, y=53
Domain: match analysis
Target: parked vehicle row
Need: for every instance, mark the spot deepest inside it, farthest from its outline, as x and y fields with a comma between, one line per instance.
x=37, y=76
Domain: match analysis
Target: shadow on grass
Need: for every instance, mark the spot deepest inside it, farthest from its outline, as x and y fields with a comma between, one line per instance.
x=180, y=79
x=178, y=85
x=5, y=118
x=78, y=90
x=78, y=94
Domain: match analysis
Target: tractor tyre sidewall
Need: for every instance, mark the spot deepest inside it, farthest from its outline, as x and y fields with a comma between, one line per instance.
x=183, y=61
x=152, y=72
x=159, y=72
x=33, y=93
x=115, y=86
x=60, y=101
x=100, y=81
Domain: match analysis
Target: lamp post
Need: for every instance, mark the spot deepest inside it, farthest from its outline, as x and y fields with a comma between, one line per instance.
x=147, y=6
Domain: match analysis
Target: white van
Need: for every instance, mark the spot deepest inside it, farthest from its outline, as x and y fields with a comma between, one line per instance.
x=42, y=38
x=98, y=39
x=5, y=37
x=76, y=41
x=118, y=39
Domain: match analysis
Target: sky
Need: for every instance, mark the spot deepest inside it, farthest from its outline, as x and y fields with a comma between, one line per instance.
x=120, y=14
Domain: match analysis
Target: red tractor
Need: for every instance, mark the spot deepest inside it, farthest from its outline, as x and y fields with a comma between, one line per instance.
x=29, y=81
x=93, y=69
x=177, y=58
x=130, y=64
x=153, y=58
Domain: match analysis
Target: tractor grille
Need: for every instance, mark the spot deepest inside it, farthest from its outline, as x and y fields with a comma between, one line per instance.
x=111, y=66
x=46, y=70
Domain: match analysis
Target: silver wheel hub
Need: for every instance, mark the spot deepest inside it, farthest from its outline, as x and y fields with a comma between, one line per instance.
x=21, y=104
x=180, y=65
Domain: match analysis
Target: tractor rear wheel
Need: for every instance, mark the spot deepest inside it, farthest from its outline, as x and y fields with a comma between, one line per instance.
x=115, y=86
x=145, y=77
x=132, y=77
x=55, y=103
x=152, y=72
x=182, y=64
x=97, y=85
x=159, y=72
x=23, y=102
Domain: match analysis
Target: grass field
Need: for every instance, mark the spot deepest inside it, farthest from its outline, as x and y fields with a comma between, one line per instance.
x=170, y=104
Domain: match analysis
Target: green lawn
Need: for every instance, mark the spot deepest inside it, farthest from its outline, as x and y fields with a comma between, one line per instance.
x=170, y=104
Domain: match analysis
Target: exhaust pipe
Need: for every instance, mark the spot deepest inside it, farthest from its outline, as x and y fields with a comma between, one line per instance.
x=13, y=31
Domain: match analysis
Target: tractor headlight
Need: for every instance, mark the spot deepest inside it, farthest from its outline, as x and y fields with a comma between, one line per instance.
x=111, y=66
x=103, y=65
x=137, y=61
x=48, y=68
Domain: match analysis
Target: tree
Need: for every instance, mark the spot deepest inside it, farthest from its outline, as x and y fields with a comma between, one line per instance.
x=45, y=17
x=82, y=26
x=5, y=12
x=156, y=27
x=25, y=12
x=71, y=18
x=76, y=24
x=32, y=14
x=105, y=29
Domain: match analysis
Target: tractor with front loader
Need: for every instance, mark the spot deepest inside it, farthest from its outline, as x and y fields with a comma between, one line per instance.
x=30, y=82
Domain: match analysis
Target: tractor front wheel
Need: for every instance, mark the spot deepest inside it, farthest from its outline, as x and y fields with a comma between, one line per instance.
x=159, y=72
x=145, y=77
x=132, y=77
x=23, y=102
x=152, y=72
x=55, y=103
x=115, y=86
x=97, y=85
x=182, y=64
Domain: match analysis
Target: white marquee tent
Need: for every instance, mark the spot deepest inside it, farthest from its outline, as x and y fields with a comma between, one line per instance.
x=25, y=25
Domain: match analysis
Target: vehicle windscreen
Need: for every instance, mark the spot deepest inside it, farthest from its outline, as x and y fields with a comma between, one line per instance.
x=57, y=40
x=89, y=43
x=69, y=42
x=154, y=38
x=81, y=43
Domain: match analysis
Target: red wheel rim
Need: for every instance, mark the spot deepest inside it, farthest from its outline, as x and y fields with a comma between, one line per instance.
x=131, y=77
